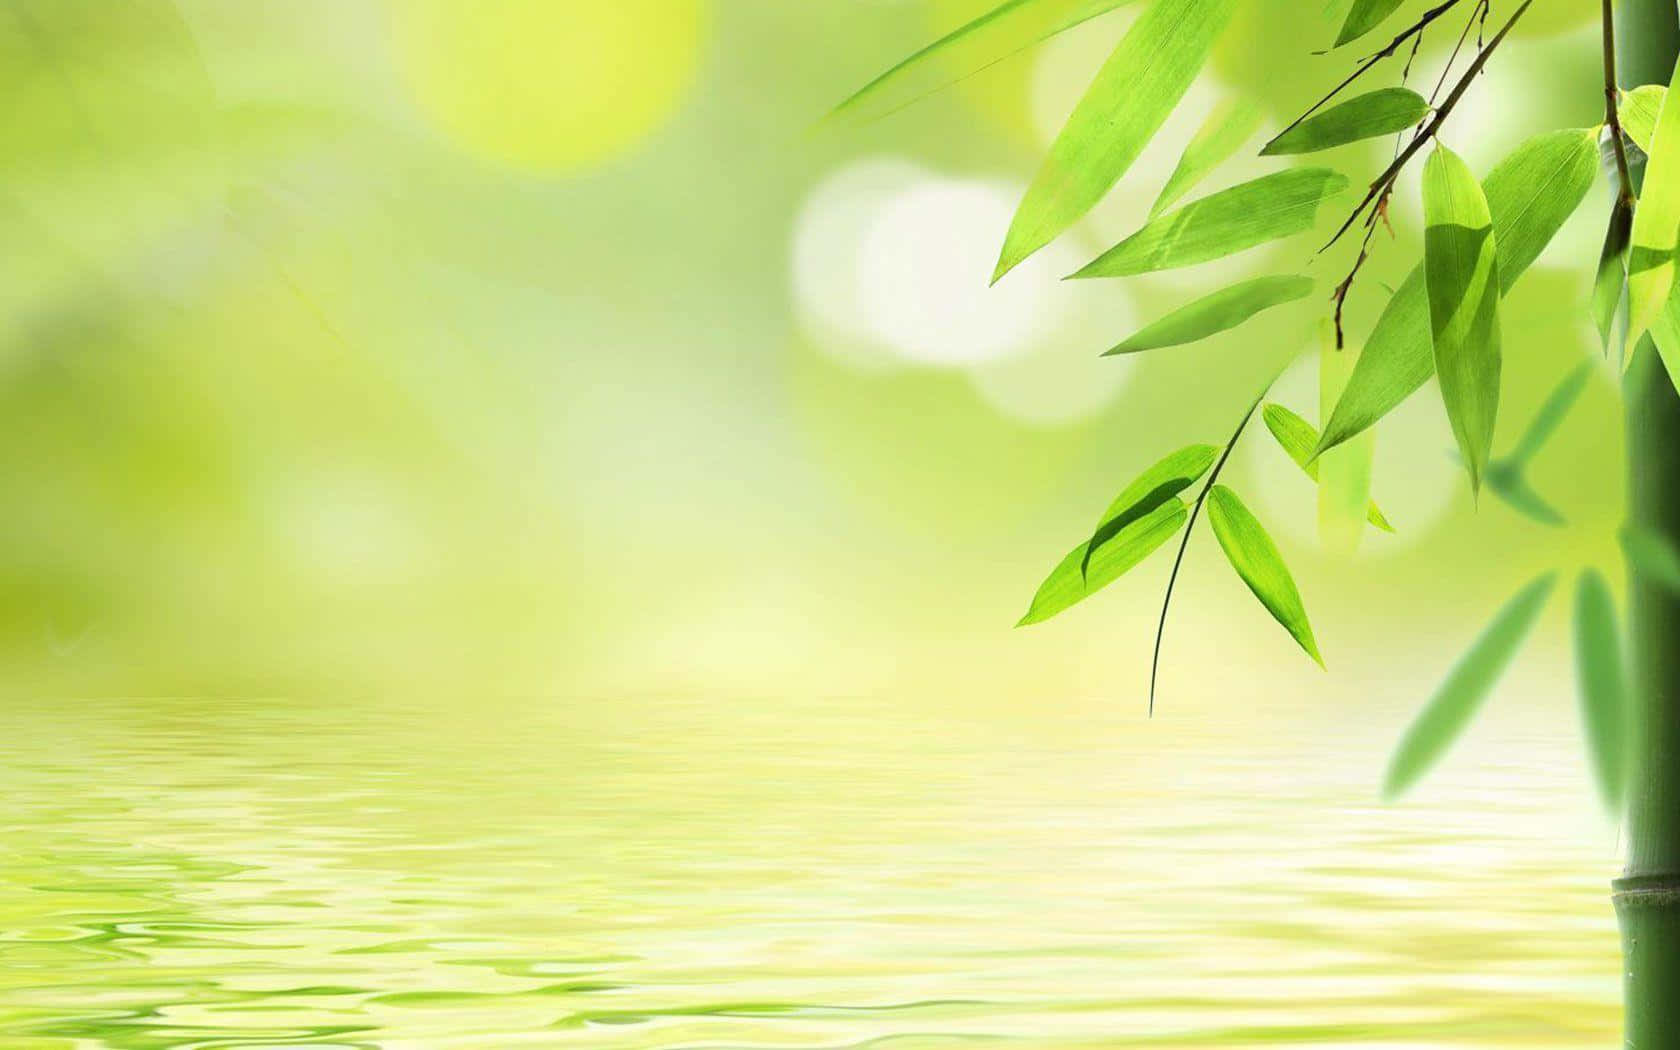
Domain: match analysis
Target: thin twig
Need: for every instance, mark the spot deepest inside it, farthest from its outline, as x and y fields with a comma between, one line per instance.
x=1385, y=182
x=1366, y=66
x=1196, y=509
x=1612, y=114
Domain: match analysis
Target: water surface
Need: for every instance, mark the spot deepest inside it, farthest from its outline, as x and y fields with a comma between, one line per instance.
x=709, y=875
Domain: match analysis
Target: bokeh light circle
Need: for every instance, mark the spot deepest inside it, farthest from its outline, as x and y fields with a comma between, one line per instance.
x=924, y=273
x=549, y=86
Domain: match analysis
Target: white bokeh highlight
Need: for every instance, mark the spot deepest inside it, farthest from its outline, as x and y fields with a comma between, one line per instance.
x=924, y=271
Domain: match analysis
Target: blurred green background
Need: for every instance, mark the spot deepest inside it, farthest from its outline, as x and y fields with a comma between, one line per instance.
x=546, y=348
x=611, y=494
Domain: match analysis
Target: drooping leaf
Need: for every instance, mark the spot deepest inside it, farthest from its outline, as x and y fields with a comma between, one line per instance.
x=1612, y=272
x=1364, y=16
x=1466, y=688
x=1530, y=195
x=1155, y=486
x=1125, y=105
x=1344, y=473
x=1003, y=31
x=1218, y=312
x=1638, y=111
x=1255, y=557
x=1233, y=220
x=1298, y=439
x=1601, y=679
x=1656, y=227
x=1385, y=111
x=1232, y=123
x=1075, y=579
x=1652, y=556
x=1460, y=269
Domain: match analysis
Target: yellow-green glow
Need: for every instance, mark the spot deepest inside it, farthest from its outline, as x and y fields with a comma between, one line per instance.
x=550, y=85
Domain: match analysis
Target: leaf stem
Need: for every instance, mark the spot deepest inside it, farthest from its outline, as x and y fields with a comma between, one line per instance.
x=1190, y=527
x=1612, y=114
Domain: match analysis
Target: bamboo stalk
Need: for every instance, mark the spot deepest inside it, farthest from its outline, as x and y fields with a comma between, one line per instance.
x=1648, y=895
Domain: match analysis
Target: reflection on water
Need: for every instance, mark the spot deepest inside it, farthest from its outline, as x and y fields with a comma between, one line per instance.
x=270, y=874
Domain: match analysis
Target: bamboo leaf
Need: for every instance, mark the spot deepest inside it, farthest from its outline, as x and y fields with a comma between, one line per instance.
x=1255, y=557
x=1665, y=334
x=1612, y=272
x=1218, y=312
x=1381, y=112
x=1233, y=220
x=1656, y=228
x=1128, y=102
x=1298, y=439
x=1155, y=486
x=1550, y=416
x=1638, y=111
x=1231, y=124
x=1530, y=195
x=1003, y=31
x=1344, y=473
x=1069, y=584
x=1364, y=16
x=1466, y=688
x=1601, y=679
x=1513, y=489
x=1652, y=556
x=1460, y=268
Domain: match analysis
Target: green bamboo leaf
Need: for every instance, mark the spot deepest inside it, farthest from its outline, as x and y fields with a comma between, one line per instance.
x=1232, y=123
x=1601, y=679
x=1344, y=473
x=1003, y=31
x=1651, y=556
x=1466, y=688
x=1460, y=268
x=1550, y=416
x=1219, y=312
x=1612, y=272
x=1530, y=195
x=1299, y=439
x=1130, y=99
x=1242, y=217
x=1638, y=111
x=1069, y=584
x=1364, y=16
x=1155, y=486
x=1665, y=334
x=1382, y=112
x=1513, y=489
x=1656, y=228
x=1255, y=557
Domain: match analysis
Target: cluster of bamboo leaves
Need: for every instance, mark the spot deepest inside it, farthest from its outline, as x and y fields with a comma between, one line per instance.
x=1443, y=321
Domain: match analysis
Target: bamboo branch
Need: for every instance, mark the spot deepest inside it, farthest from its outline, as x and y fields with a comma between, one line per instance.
x=1189, y=529
x=1416, y=30
x=1612, y=111
x=1385, y=182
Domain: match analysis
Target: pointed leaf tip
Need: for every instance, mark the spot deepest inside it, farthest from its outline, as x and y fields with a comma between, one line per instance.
x=1255, y=558
x=1131, y=97
x=1465, y=689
